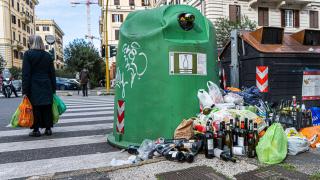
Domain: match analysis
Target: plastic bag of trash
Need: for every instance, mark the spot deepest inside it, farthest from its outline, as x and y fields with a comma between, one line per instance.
x=118, y=162
x=297, y=143
x=272, y=147
x=313, y=135
x=145, y=148
x=233, y=98
x=222, y=115
x=205, y=99
x=214, y=92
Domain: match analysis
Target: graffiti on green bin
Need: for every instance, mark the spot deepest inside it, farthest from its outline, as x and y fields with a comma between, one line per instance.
x=136, y=64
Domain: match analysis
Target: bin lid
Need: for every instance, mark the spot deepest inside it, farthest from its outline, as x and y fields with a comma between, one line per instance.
x=289, y=43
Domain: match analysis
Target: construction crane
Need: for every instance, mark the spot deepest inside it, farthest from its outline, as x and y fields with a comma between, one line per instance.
x=88, y=3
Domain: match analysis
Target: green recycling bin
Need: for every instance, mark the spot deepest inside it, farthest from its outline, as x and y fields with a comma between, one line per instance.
x=165, y=55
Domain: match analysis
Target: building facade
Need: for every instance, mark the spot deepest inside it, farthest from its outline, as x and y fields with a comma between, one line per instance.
x=118, y=10
x=293, y=15
x=50, y=27
x=17, y=24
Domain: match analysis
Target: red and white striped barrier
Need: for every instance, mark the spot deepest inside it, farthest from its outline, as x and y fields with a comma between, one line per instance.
x=262, y=78
x=120, y=120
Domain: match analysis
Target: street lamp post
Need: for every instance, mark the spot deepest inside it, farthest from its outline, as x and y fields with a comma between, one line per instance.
x=106, y=49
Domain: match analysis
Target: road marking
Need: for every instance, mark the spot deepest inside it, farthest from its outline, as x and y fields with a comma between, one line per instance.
x=84, y=104
x=90, y=105
x=88, y=100
x=72, y=120
x=88, y=113
x=24, y=132
x=62, y=164
x=88, y=109
x=51, y=143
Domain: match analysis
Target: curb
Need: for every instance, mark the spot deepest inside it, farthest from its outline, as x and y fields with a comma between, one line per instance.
x=107, y=169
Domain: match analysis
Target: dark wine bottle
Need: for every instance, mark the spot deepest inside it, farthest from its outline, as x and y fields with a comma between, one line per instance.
x=255, y=137
x=223, y=155
x=208, y=150
x=241, y=135
x=175, y=156
x=188, y=156
x=220, y=137
x=236, y=131
x=251, y=145
x=228, y=139
x=246, y=134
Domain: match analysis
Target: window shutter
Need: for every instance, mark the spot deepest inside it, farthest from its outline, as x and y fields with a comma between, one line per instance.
x=296, y=18
x=282, y=18
x=316, y=19
x=260, y=17
x=232, y=13
x=113, y=18
x=266, y=17
x=121, y=17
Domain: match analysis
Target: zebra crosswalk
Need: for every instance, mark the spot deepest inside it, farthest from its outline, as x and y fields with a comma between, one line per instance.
x=78, y=141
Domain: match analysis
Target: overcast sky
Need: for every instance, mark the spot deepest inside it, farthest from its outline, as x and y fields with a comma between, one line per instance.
x=72, y=20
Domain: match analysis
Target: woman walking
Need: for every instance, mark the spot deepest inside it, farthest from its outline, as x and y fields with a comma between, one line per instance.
x=39, y=84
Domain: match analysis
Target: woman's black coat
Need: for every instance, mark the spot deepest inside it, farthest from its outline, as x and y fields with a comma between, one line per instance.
x=38, y=77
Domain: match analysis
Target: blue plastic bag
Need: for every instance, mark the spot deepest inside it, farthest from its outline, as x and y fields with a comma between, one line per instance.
x=315, y=115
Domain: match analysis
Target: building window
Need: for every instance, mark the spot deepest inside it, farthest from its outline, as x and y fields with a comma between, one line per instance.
x=28, y=29
x=314, y=19
x=131, y=2
x=263, y=16
x=24, y=26
x=28, y=2
x=117, y=17
x=14, y=35
x=45, y=28
x=15, y=54
x=19, y=36
x=19, y=23
x=145, y=3
x=24, y=41
x=18, y=7
x=12, y=3
x=116, y=2
x=47, y=47
x=290, y=18
x=21, y=55
x=116, y=33
x=13, y=19
x=31, y=5
x=234, y=13
x=31, y=31
x=37, y=28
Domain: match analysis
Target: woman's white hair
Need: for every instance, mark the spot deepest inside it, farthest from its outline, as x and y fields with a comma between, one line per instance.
x=35, y=42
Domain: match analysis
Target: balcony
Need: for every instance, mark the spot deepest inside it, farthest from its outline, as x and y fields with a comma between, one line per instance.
x=25, y=18
x=279, y=3
x=17, y=45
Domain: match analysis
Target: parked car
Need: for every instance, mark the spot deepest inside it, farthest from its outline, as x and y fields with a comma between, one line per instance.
x=66, y=84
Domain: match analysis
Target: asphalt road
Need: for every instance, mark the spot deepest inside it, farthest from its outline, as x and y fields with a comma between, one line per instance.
x=78, y=140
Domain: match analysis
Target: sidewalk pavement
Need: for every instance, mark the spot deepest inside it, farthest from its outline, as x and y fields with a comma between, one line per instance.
x=305, y=165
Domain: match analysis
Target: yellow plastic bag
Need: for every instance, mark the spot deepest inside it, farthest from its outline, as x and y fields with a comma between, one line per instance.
x=26, y=113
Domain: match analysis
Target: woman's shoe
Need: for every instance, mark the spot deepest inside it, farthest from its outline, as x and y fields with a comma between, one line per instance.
x=48, y=132
x=35, y=134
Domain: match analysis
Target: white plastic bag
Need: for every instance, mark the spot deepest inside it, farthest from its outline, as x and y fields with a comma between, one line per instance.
x=233, y=98
x=214, y=92
x=205, y=99
x=296, y=142
x=145, y=148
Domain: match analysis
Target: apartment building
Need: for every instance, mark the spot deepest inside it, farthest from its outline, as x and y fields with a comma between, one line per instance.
x=117, y=12
x=17, y=24
x=50, y=27
x=293, y=15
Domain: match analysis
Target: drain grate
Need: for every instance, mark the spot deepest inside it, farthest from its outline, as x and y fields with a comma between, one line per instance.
x=193, y=173
x=272, y=172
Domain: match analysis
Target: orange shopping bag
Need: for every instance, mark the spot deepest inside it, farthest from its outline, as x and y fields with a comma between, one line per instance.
x=26, y=113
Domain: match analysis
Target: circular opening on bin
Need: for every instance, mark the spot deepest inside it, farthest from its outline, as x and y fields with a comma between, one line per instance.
x=186, y=21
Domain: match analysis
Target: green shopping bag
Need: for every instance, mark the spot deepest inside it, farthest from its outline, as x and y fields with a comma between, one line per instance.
x=272, y=147
x=15, y=118
x=55, y=112
x=60, y=104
